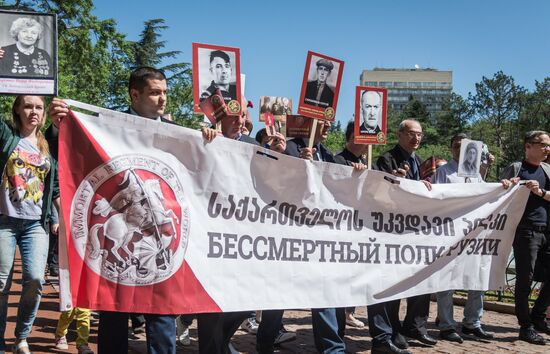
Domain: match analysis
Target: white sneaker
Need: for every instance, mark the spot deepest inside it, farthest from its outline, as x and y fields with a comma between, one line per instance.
x=353, y=322
x=283, y=336
x=21, y=348
x=61, y=343
x=250, y=325
x=183, y=339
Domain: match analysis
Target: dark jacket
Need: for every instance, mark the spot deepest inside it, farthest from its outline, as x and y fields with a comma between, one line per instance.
x=392, y=160
x=346, y=157
x=327, y=96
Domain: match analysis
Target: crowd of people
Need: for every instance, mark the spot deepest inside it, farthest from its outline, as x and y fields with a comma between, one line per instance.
x=30, y=195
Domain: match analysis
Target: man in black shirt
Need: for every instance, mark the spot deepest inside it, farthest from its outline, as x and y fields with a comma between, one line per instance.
x=532, y=236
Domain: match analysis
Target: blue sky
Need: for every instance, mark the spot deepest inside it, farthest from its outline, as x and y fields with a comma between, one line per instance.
x=471, y=38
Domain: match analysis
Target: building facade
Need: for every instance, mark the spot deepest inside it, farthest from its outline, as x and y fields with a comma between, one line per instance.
x=430, y=86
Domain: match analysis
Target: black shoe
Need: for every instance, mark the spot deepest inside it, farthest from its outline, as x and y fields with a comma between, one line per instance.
x=400, y=341
x=541, y=326
x=478, y=332
x=529, y=335
x=422, y=338
x=451, y=335
x=387, y=347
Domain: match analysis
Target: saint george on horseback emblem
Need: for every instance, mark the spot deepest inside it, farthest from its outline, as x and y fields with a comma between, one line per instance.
x=130, y=221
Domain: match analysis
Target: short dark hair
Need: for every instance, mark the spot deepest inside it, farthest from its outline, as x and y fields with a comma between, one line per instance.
x=458, y=137
x=219, y=54
x=260, y=135
x=349, y=130
x=530, y=136
x=140, y=76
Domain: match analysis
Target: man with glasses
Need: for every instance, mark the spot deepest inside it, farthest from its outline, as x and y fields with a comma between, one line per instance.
x=532, y=236
x=384, y=325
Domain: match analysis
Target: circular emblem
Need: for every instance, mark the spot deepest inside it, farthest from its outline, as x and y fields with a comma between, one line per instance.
x=380, y=137
x=234, y=107
x=216, y=100
x=329, y=113
x=130, y=220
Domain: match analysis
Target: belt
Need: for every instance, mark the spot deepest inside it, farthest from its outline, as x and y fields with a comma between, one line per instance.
x=538, y=228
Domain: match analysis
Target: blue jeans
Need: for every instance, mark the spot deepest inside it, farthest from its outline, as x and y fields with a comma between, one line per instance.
x=328, y=326
x=33, y=241
x=473, y=310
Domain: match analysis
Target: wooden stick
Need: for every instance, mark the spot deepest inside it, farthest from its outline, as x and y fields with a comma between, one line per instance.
x=369, y=158
x=312, y=135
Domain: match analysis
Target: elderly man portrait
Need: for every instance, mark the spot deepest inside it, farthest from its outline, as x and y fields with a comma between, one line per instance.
x=24, y=58
x=221, y=71
x=318, y=93
x=371, y=109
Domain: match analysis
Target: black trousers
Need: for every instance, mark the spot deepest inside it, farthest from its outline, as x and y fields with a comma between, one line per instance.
x=384, y=318
x=216, y=329
x=530, y=246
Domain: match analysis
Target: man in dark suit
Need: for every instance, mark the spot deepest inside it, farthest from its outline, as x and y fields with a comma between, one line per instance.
x=384, y=325
x=220, y=68
x=371, y=106
x=317, y=92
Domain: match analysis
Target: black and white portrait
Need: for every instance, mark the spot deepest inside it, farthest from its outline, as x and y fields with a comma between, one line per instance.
x=321, y=82
x=371, y=112
x=470, y=158
x=278, y=106
x=28, y=43
x=216, y=67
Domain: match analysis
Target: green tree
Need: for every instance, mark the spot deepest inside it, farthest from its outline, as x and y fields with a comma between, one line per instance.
x=497, y=102
x=93, y=57
x=453, y=119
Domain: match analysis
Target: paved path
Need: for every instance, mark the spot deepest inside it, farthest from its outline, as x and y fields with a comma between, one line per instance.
x=357, y=340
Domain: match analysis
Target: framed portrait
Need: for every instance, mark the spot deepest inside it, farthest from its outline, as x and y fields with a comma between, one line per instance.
x=298, y=126
x=217, y=67
x=320, y=86
x=371, y=105
x=280, y=107
x=29, y=63
x=470, y=158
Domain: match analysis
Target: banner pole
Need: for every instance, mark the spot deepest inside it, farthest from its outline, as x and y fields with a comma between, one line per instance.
x=312, y=134
x=369, y=157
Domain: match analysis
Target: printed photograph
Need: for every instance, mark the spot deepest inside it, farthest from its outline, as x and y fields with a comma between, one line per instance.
x=216, y=67
x=28, y=53
x=320, y=86
x=280, y=107
x=370, y=115
x=470, y=158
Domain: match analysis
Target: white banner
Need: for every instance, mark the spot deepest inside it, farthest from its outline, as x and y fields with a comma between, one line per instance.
x=261, y=230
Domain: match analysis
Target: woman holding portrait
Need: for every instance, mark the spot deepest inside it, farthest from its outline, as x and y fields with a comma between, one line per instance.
x=28, y=188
